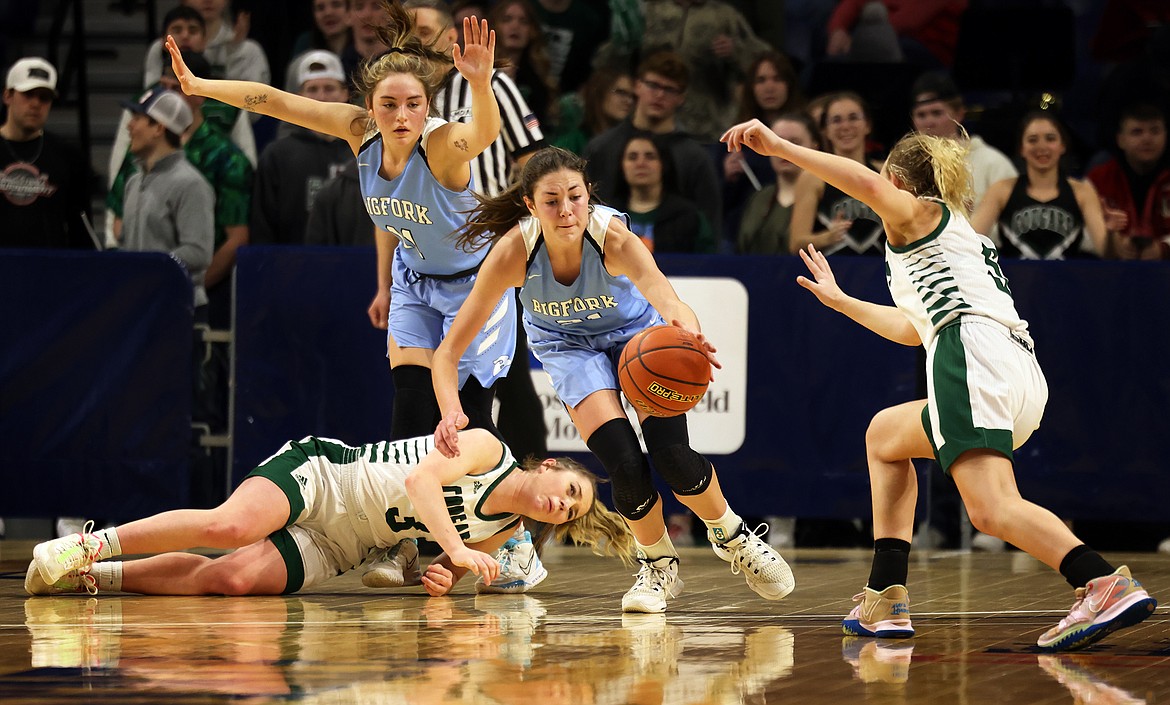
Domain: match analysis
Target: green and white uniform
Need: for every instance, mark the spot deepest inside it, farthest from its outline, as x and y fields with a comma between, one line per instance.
x=984, y=386
x=347, y=500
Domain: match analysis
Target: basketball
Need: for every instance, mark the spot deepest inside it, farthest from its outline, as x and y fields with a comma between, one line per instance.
x=663, y=371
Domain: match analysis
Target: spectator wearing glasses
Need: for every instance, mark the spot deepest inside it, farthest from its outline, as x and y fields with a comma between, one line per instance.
x=660, y=90
x=605, y=100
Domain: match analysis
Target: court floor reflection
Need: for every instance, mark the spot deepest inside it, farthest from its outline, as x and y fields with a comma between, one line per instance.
x=567, y=643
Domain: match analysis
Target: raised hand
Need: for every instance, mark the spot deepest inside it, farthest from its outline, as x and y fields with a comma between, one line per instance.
x=476, y=58
x=823, y=285
x=186, y=78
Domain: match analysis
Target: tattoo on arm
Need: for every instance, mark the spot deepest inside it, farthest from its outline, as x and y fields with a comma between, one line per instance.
x=251, y=101
x=461, y=144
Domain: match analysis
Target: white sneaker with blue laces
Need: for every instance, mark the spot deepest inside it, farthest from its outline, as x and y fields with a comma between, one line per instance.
x=520, y=567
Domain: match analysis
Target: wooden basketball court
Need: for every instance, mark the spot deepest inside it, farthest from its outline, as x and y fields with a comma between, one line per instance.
x=977, y=617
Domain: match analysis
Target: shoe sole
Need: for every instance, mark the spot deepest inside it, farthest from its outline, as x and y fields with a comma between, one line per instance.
x=780, y=595
x=1131, y=615
x=380, y=579
x=514, y=587
x=852, y=627
x=675, y=591
x=642, y=609
x=34, y=581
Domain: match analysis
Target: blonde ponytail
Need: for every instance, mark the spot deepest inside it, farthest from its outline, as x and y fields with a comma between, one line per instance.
x=935, y=167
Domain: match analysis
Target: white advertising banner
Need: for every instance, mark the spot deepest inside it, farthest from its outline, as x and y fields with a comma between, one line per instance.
x=716, y=424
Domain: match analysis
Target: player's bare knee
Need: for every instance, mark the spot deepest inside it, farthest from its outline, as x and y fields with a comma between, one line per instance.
x=881, y=437
x=222, y=580
x=228, y=532
x=984, y=519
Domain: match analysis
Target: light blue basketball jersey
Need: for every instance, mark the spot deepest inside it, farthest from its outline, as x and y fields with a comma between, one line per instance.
x=417, y=209
x=577, y=331
x=596, y=302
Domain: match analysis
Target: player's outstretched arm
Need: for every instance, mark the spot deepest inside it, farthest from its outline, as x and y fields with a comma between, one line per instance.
x=341, y=120
x=424, y=487
x=898, y=209
x=457, y=143
x=886, y=321
x=625, y=255
x=502, y=270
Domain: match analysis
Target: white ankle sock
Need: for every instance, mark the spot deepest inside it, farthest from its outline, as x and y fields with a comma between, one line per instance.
x=725, y=527
x=658, y=549
x=110, y=545
x=108, y=575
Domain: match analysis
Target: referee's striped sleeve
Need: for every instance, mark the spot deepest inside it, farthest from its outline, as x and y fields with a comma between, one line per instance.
x=519, y=127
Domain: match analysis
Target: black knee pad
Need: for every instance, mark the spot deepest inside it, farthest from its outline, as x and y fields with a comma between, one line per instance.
x=416, y=411
x=685, y=471
x=616, y=445
x=477, y=404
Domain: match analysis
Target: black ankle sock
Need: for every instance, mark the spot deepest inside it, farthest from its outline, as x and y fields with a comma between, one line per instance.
x=1082, y=564
x=891, y=563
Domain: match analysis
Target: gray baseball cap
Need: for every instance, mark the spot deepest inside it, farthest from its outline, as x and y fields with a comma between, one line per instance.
x=168, y=108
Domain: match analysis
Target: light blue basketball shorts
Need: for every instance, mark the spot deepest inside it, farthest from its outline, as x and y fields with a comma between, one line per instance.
x=422, y=309
x=580, y=365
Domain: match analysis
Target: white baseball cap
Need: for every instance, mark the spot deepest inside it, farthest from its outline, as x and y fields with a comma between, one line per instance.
x=318, y=63
x=32, y=73
x=168, y=108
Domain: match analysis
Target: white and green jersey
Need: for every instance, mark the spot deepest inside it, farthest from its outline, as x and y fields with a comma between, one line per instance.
x=324, y=478
x=952, y=272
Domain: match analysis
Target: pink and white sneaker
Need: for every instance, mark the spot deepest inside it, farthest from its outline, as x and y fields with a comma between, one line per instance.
x=1105, y=605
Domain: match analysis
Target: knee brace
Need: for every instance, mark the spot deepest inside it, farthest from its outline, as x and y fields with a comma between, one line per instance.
x=415, y=409
x=477, y=404
x=616, y=445
x=685, y=471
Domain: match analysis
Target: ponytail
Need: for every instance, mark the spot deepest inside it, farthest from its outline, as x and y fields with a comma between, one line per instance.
x=935, y=167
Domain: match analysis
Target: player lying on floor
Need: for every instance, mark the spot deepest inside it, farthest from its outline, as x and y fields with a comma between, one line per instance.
x=317, y=507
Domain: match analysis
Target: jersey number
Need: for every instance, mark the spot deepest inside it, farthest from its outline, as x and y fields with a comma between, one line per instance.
x=404, y=523
x=406, y=239
x=992, y=258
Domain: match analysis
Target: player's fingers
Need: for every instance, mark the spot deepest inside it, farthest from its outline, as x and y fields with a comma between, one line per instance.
x=433, y=587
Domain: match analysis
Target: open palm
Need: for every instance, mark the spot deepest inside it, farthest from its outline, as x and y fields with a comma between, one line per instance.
x=478, y=54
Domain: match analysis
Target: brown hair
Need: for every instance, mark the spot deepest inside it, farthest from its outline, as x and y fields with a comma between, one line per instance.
x=667, y=64
x=805, y=119
x=407, y=54
x=596, y=91
x=749, y=107
x=934, y=167
x=536, y=53
x=1035, y=116
x=601, y=529
x=496, y=215
x=845, y=95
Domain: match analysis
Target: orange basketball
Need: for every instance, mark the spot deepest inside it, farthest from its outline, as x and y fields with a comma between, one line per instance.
x=663, y=371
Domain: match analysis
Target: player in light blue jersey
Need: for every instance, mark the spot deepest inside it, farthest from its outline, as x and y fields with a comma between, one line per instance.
x=588, y=285
x=415, y=174
x=985, y=390
x=316, y=508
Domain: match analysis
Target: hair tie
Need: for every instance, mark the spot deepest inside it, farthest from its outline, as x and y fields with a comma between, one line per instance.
x=395, y=50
